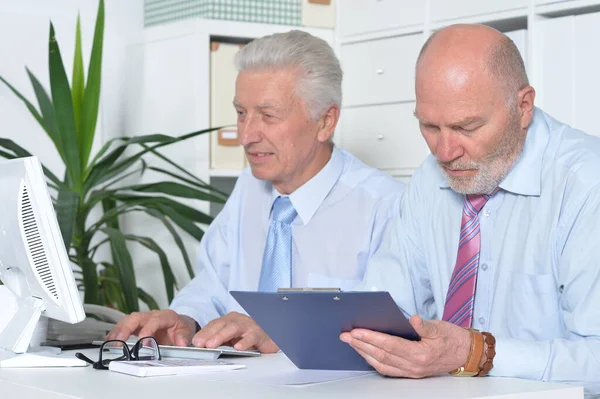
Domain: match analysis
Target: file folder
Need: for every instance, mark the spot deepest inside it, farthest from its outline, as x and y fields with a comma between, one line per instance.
x=306, y=325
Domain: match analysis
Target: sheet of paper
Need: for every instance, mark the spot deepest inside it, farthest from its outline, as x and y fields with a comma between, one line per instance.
x=304, y=377
x=287, y=377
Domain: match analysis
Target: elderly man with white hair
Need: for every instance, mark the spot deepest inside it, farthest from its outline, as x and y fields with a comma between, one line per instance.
x=305, y=214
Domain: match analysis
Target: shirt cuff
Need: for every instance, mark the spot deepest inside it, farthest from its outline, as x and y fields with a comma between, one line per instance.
x=520, y=359
x=201, y=317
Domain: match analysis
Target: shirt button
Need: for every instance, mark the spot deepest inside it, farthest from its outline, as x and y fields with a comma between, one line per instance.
x=487, y=212
x=484, y=267
x=481, y=320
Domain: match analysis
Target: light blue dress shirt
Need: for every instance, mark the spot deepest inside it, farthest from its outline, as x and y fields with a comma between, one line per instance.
x=538, y=286
x=342, y=213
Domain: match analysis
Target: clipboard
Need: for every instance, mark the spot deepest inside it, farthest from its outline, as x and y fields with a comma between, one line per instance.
x=306, y=325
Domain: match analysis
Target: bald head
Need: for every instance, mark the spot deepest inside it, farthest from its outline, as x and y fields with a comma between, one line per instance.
x=465, y=52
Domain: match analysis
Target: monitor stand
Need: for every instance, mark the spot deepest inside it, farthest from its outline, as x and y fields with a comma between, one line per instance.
x=16, y=336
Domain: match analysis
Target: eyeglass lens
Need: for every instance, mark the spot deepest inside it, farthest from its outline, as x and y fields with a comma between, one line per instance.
x=145, y=349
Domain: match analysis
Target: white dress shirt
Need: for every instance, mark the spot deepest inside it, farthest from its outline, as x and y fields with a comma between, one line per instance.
x=538, y=285
x=342, y=212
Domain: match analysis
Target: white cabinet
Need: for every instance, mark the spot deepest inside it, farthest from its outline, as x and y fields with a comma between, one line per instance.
x=569, y=61
x=385, y=136
x=362, y=16
x=454, y=9
x=380, y=71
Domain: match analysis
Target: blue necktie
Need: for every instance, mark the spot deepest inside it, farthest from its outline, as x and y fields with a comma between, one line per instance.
x=276, y=269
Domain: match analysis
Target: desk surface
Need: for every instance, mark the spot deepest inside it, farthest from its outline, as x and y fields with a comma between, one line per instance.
x=85, y=382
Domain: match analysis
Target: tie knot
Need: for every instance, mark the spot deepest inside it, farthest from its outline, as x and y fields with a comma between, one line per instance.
x=283, y=210
x=474, y=202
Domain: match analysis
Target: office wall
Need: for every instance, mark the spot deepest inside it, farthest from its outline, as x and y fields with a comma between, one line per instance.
x=24, y=29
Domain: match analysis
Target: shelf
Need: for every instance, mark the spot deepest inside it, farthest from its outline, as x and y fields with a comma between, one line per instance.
x=224, y=173
x=571, y=7
x=504, y=21
x=363, y=37
x=225, y=28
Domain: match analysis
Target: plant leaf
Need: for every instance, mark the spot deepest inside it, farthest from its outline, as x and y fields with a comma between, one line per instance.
x=112, y=294
x=20, y=152
x=168, y=276
x=182, y=222
x=176, y=166
x=174, y=189
x=147, y=299
x=90, y=281
x=109, y=204
x=78, y=85
x=29, y=106
x=91, y=97
x=124, y=264
x=126, y=163
x=97, y=173
x=188, y=212
x=199, y=184
x=63, y=110
x=66, y=207
x=186, y=259
x=47, y=109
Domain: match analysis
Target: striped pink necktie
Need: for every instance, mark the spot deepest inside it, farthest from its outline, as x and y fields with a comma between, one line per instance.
x=460, y=299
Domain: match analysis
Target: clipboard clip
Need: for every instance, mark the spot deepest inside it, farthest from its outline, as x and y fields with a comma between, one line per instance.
x=306, y=289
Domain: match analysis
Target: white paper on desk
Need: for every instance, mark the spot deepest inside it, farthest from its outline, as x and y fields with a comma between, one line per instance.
x=289, y=377
x=304, y=377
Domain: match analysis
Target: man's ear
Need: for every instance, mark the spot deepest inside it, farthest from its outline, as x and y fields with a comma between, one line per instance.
x=526, y=99
x=327, y=124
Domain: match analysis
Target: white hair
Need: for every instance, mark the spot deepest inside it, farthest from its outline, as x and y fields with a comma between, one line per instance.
x=319, y=79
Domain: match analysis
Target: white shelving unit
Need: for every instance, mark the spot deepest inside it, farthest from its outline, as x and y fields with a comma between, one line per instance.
x=224, y=172
x=557, y=38
x=175, y=88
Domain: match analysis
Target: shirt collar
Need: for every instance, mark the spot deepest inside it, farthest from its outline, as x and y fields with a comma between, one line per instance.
x=525, y=177
x=308, y=197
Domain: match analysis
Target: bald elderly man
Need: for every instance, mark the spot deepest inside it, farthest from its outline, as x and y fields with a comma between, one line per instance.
x=498, y=231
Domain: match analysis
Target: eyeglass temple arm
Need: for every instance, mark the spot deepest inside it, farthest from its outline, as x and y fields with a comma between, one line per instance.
x=83, y=357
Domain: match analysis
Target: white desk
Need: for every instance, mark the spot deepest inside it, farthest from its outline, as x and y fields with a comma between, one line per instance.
x=89, y=383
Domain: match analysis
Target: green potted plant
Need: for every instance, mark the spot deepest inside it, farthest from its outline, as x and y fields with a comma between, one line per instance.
x=68, y=114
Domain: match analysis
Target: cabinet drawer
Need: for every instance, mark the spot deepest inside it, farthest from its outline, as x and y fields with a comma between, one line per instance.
x=384, y=136
x=361, y=16
x=380, y=71
x=445, y=9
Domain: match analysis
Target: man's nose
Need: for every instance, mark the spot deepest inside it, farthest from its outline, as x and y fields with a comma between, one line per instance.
x=448, y=147
x=249, y=131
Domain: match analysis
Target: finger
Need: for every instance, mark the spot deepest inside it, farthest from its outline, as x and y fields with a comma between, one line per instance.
x=182, y=339
x=379, y=354
x=156, y=323
x=127, y=326
x=346, y=337
x=382, y=368
x=230, y=331
x=257, y=339
x=398, y=346
x=424, y=328
x=208, y=332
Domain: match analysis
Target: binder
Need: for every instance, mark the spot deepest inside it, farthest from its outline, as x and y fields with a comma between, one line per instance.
x=225, y=149
x=306, y=325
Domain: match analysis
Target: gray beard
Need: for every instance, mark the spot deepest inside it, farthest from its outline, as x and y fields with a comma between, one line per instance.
x=492, y=169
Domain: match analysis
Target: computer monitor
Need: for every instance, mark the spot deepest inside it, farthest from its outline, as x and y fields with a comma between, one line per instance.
x=34, y=265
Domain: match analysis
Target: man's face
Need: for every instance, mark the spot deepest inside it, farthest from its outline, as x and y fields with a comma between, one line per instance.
x=470, y=128
x=278, y=136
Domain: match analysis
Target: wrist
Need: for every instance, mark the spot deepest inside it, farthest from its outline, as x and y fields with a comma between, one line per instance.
x=487, y=361
x=473, y=360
